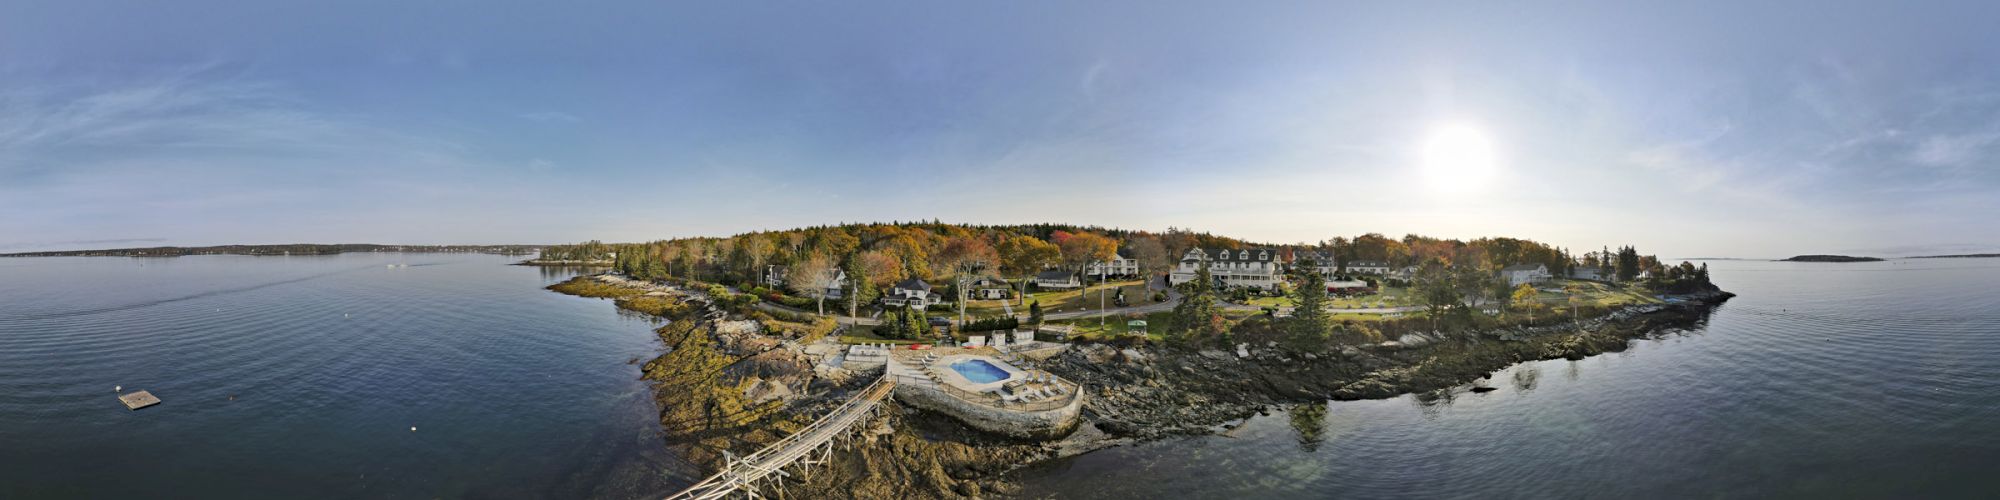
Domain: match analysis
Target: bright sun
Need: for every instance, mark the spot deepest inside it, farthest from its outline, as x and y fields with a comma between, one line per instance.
x=1458, y=158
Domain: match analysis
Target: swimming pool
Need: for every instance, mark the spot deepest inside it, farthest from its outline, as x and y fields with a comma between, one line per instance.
x=979, y=371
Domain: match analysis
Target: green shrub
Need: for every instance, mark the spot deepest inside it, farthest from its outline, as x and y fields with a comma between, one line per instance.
x=990, y=324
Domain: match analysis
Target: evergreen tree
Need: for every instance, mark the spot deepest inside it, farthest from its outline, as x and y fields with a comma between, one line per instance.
x=1196, y=317
x=1628, y=263
x=1307, y=328
x=1035, y=312
x=920, y=326
x=859, y=292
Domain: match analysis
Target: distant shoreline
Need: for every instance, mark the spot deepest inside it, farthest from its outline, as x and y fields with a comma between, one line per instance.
x=1830, y=258
x=285, y=249
x=583, y=263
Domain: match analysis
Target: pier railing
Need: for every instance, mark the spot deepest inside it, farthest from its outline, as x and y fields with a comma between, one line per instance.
x=809, y=446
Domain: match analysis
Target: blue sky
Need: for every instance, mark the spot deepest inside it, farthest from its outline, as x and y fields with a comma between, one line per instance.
x=1686, y=128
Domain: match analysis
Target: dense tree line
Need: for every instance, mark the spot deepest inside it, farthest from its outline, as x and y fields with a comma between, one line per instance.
x=1450, y=275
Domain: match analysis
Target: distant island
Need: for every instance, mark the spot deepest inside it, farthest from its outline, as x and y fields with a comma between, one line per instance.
x=291, y=249
x=1830, y=258
x=1964, y=256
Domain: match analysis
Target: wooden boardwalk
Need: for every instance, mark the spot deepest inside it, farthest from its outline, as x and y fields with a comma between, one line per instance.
x=806, y=448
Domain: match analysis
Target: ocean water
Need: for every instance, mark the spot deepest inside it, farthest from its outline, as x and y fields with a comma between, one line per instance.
x=1819, y=380
x=514, y=391
x=1869, y=380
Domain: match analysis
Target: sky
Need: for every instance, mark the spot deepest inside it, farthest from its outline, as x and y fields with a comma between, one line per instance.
x=1688, y=129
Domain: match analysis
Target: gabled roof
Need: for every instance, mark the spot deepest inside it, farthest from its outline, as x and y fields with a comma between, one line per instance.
x=1240, y=254
x=913, y=284
x=1054, y=274
x=1523, y=267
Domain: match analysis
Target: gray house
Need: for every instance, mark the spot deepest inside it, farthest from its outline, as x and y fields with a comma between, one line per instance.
x=1057, y=279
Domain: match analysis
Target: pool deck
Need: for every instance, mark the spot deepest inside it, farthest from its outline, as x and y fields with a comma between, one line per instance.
x=1051, y=411
x=951, y=376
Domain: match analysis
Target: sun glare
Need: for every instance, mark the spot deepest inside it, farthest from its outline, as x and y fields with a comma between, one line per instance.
x=1458, y=158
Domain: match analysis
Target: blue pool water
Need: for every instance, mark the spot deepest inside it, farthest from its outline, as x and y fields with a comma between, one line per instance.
x=979, y=371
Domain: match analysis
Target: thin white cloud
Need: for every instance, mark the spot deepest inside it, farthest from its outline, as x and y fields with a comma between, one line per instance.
x=1954, y=150
x=551, y=116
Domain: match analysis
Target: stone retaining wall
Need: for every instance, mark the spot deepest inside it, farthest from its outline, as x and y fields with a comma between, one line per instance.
x=1045, y=424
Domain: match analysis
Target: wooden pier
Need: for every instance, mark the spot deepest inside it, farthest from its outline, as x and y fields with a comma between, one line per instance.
x=810, y=446
x=138, y=399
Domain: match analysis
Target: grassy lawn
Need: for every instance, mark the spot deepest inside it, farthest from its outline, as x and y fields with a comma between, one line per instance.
x=1387, y=297
x=1269, y=302
x=1595, y=294
x=1114, y=327
x=1067, y=300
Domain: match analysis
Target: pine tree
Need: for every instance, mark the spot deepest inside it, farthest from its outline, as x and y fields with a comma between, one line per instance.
x=859, y=291
x=1307, y=328
x=920, y=326
x=1195, y=318
x=1035, y=312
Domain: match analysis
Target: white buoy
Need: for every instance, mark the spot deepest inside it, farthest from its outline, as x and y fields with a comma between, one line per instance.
x=413, y=429
x=118, y=388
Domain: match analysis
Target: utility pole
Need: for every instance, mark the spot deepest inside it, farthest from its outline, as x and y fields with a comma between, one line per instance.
x=1100, y=295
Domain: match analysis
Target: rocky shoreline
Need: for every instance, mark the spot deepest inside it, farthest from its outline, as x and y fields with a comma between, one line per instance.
x=581, y=263
x=732, y=384
x=1151, y=393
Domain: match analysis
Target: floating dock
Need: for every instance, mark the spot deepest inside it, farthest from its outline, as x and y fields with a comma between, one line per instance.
x=138, y=399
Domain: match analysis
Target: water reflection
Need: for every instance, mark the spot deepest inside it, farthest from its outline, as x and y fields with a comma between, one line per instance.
x=1526, y=376
x=1432, y=404
x=557, y=273
x=1309, y=424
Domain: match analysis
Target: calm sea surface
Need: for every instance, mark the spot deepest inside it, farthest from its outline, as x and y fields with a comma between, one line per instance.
x=1818, y=381
x=515, y=391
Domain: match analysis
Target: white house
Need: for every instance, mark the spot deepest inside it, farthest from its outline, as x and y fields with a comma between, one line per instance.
x=1320, y=261
x=1057, y=279
x=1347, y=286
x=774, y=276
x=1587, y=273
x=1121, y=265
x=1525, y=273
x=911, y=292
x=1376, y=267
x=1326, y=265
x=1249, y=267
